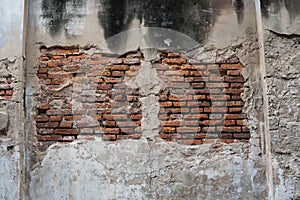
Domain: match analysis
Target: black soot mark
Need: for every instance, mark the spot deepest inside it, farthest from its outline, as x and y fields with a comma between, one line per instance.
x=56, y=14
x=239, y=9
x=193, y=18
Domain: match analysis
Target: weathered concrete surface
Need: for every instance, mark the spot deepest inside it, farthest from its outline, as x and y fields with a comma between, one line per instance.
x=10, y=171
x=282, y=59
x=146, y=170
x=11, y=108
x=151, y=169
x=283, y=78
x=281, y=16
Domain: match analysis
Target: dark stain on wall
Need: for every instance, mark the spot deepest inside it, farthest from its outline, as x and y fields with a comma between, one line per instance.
x=53, y=11
x=57, y=16
x=274, y=6
x=239, y=8
x=194, y=18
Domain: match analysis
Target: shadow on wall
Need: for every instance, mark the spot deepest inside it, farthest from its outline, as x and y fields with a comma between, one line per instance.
x=193, y=18
x=274, y=6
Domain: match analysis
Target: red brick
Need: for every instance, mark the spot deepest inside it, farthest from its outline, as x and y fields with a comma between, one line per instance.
x=236, y=79
x=209, y=141
x=57, y=118
x=245, y=129
x=61, y=131
x=236, y=85
x=188, y=129
x=136, y=116
x=47, y=125
x=190, y=142
x=169, y=130
x=42, y=76
x=234, y=103
x=226, y=140
x=67, y=51
x=176, y=61
x=56, y=57
x=229, y=122
x=174, y=54
x=226, y=136
x=232, y=66
x=217, y=85
x=171, y=123
x=199, y=97
x=234, y=116
x=41, y=118
x=219, y=97
x=119, y=67
x=49, y=137
x=132, y=136
x=241, y=135
x=71, y=68
x=111, y=130
x=233, y=72
x=9, y=92
x=109, y=137
x=65, y=124
x=235, y=110
x=43, y=70
x=211, y=122
x=44, y=107
x=231, y=129
x=165, y=136
x=55, y=70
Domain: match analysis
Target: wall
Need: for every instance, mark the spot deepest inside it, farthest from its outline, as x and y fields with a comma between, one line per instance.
x=11, y=99
x=282, y=61
x=149, y=100
x=152, y=157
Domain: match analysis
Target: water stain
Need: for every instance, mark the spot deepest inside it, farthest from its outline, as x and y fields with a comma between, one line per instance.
x=271, y=7
x=194, y=18
x=58, y=13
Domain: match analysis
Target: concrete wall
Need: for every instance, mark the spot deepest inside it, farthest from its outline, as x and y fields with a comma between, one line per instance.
x=282, y=63
x=266, y=42
x=150, y=168
x=11, y=99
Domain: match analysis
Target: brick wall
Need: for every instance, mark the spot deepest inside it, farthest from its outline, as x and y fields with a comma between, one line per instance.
x=85, y=95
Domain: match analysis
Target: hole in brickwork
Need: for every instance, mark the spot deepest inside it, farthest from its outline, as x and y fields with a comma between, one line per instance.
x=83, y=96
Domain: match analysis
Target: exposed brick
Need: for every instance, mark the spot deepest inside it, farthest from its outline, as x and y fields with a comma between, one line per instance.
x=171, y=123
x=41, y=118
x=47, y=125
x=169, y=129
x=109, y=137
x=49, y=137
x=61, y=131
x=190, y=142
x=65, y=124
x=241, y=135
x=111, y=130
x=184, y=118
x=232, y=66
